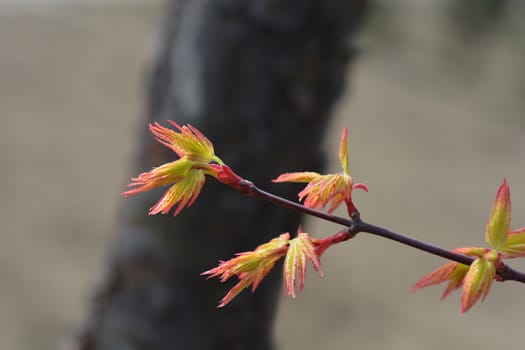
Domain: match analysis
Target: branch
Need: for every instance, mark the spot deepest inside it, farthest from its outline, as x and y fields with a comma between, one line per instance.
x=356, y=225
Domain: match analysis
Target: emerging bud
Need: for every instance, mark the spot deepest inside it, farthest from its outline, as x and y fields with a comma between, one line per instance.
x=511, y=244
x=324, y=189
x=477, y=278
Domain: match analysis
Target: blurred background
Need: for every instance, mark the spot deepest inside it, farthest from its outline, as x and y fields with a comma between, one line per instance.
x=435, y=115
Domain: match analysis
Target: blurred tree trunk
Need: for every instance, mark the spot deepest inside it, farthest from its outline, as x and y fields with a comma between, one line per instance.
x=259, y=78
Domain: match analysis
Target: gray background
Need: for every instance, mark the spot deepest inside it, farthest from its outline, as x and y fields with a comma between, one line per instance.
x=436, y=121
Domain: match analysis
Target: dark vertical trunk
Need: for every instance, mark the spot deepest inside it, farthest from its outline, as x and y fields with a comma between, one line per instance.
x=259, y=78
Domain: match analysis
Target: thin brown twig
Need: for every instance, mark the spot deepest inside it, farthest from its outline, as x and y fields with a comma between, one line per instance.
x=356, y=225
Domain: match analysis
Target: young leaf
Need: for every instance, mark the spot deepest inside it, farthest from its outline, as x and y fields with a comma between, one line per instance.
x=343, y=151
x=183, y=192
x=514, y=246
x=477, y=282
x=499, y=221
x=188, y=142
x=250, y=267
x=452, y=271
x=300, y=250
